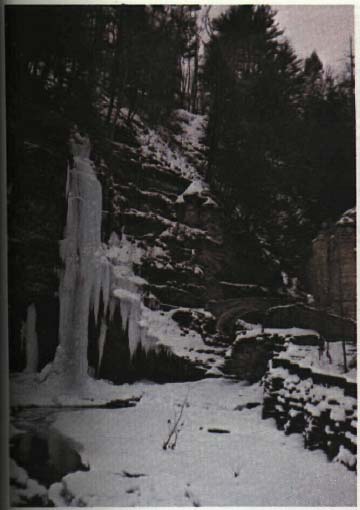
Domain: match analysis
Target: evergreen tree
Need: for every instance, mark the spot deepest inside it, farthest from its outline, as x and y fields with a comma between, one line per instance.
x=328, y=142
x=255, y=83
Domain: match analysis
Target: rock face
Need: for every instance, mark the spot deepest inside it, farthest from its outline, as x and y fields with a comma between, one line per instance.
x=157, y=192
x=250, y=356
x=332, y=267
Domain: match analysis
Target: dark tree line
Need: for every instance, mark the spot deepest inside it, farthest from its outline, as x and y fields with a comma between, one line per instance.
x=281, y=132
x=83, y=57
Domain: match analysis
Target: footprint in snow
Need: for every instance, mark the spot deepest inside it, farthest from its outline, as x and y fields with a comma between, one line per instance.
x=191, y=496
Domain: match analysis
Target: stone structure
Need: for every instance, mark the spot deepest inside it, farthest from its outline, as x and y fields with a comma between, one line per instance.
x=332, y=268
x=320, y=406
x=331, y=326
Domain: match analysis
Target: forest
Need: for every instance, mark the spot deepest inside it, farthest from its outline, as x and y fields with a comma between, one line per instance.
x=181, y=192
x=280, y=129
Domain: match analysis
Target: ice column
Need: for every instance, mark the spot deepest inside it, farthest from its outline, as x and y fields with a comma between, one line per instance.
x=86, y=271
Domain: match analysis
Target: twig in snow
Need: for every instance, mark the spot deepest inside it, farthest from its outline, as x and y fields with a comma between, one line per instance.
x=176, y=427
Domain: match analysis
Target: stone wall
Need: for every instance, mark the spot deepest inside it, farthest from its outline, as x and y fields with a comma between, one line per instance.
x=322, y=407
x=249, y=355
x=332, y=267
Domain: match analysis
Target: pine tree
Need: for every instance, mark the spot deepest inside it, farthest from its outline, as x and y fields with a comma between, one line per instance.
x=255, y=85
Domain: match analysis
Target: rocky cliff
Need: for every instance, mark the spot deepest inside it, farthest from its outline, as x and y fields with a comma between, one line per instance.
x=196, y=274
x=332, y=267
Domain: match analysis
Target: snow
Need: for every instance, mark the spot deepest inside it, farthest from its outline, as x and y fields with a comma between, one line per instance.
x=167, y=333
x=252, y=465
x=31, y=340
x=200, y=189
x=257, y=330
x=182, y=232
x=149, y=215
x=345, y=457
x=192, y=127
x=48, y=389
x=210, y=202
x=348, y=217
x=24, y=488
x=197, y=187
x=18, y=474
x=153, y=144
x=337, y=414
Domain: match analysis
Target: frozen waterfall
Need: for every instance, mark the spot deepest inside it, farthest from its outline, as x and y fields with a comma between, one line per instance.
x=87, y=271
x=93, y=271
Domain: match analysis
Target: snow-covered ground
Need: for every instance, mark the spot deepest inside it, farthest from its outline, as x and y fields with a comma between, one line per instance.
x=242, y=461
x=28, y=390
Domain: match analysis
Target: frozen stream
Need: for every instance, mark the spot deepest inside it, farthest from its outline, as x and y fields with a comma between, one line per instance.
x=243, y=460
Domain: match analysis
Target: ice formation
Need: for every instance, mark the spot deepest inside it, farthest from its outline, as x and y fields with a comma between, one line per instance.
x=93, y=271
x=101, y=342
x=86, y=273
x=127, y=291
x=31, y=340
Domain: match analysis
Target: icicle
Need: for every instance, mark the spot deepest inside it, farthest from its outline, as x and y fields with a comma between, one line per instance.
x=125, y=309
x=105, y=284
x=148, y=341
x=134, y=328
x=101, y=343
x=112, y=306
x=32, y=349
x=114, y=240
